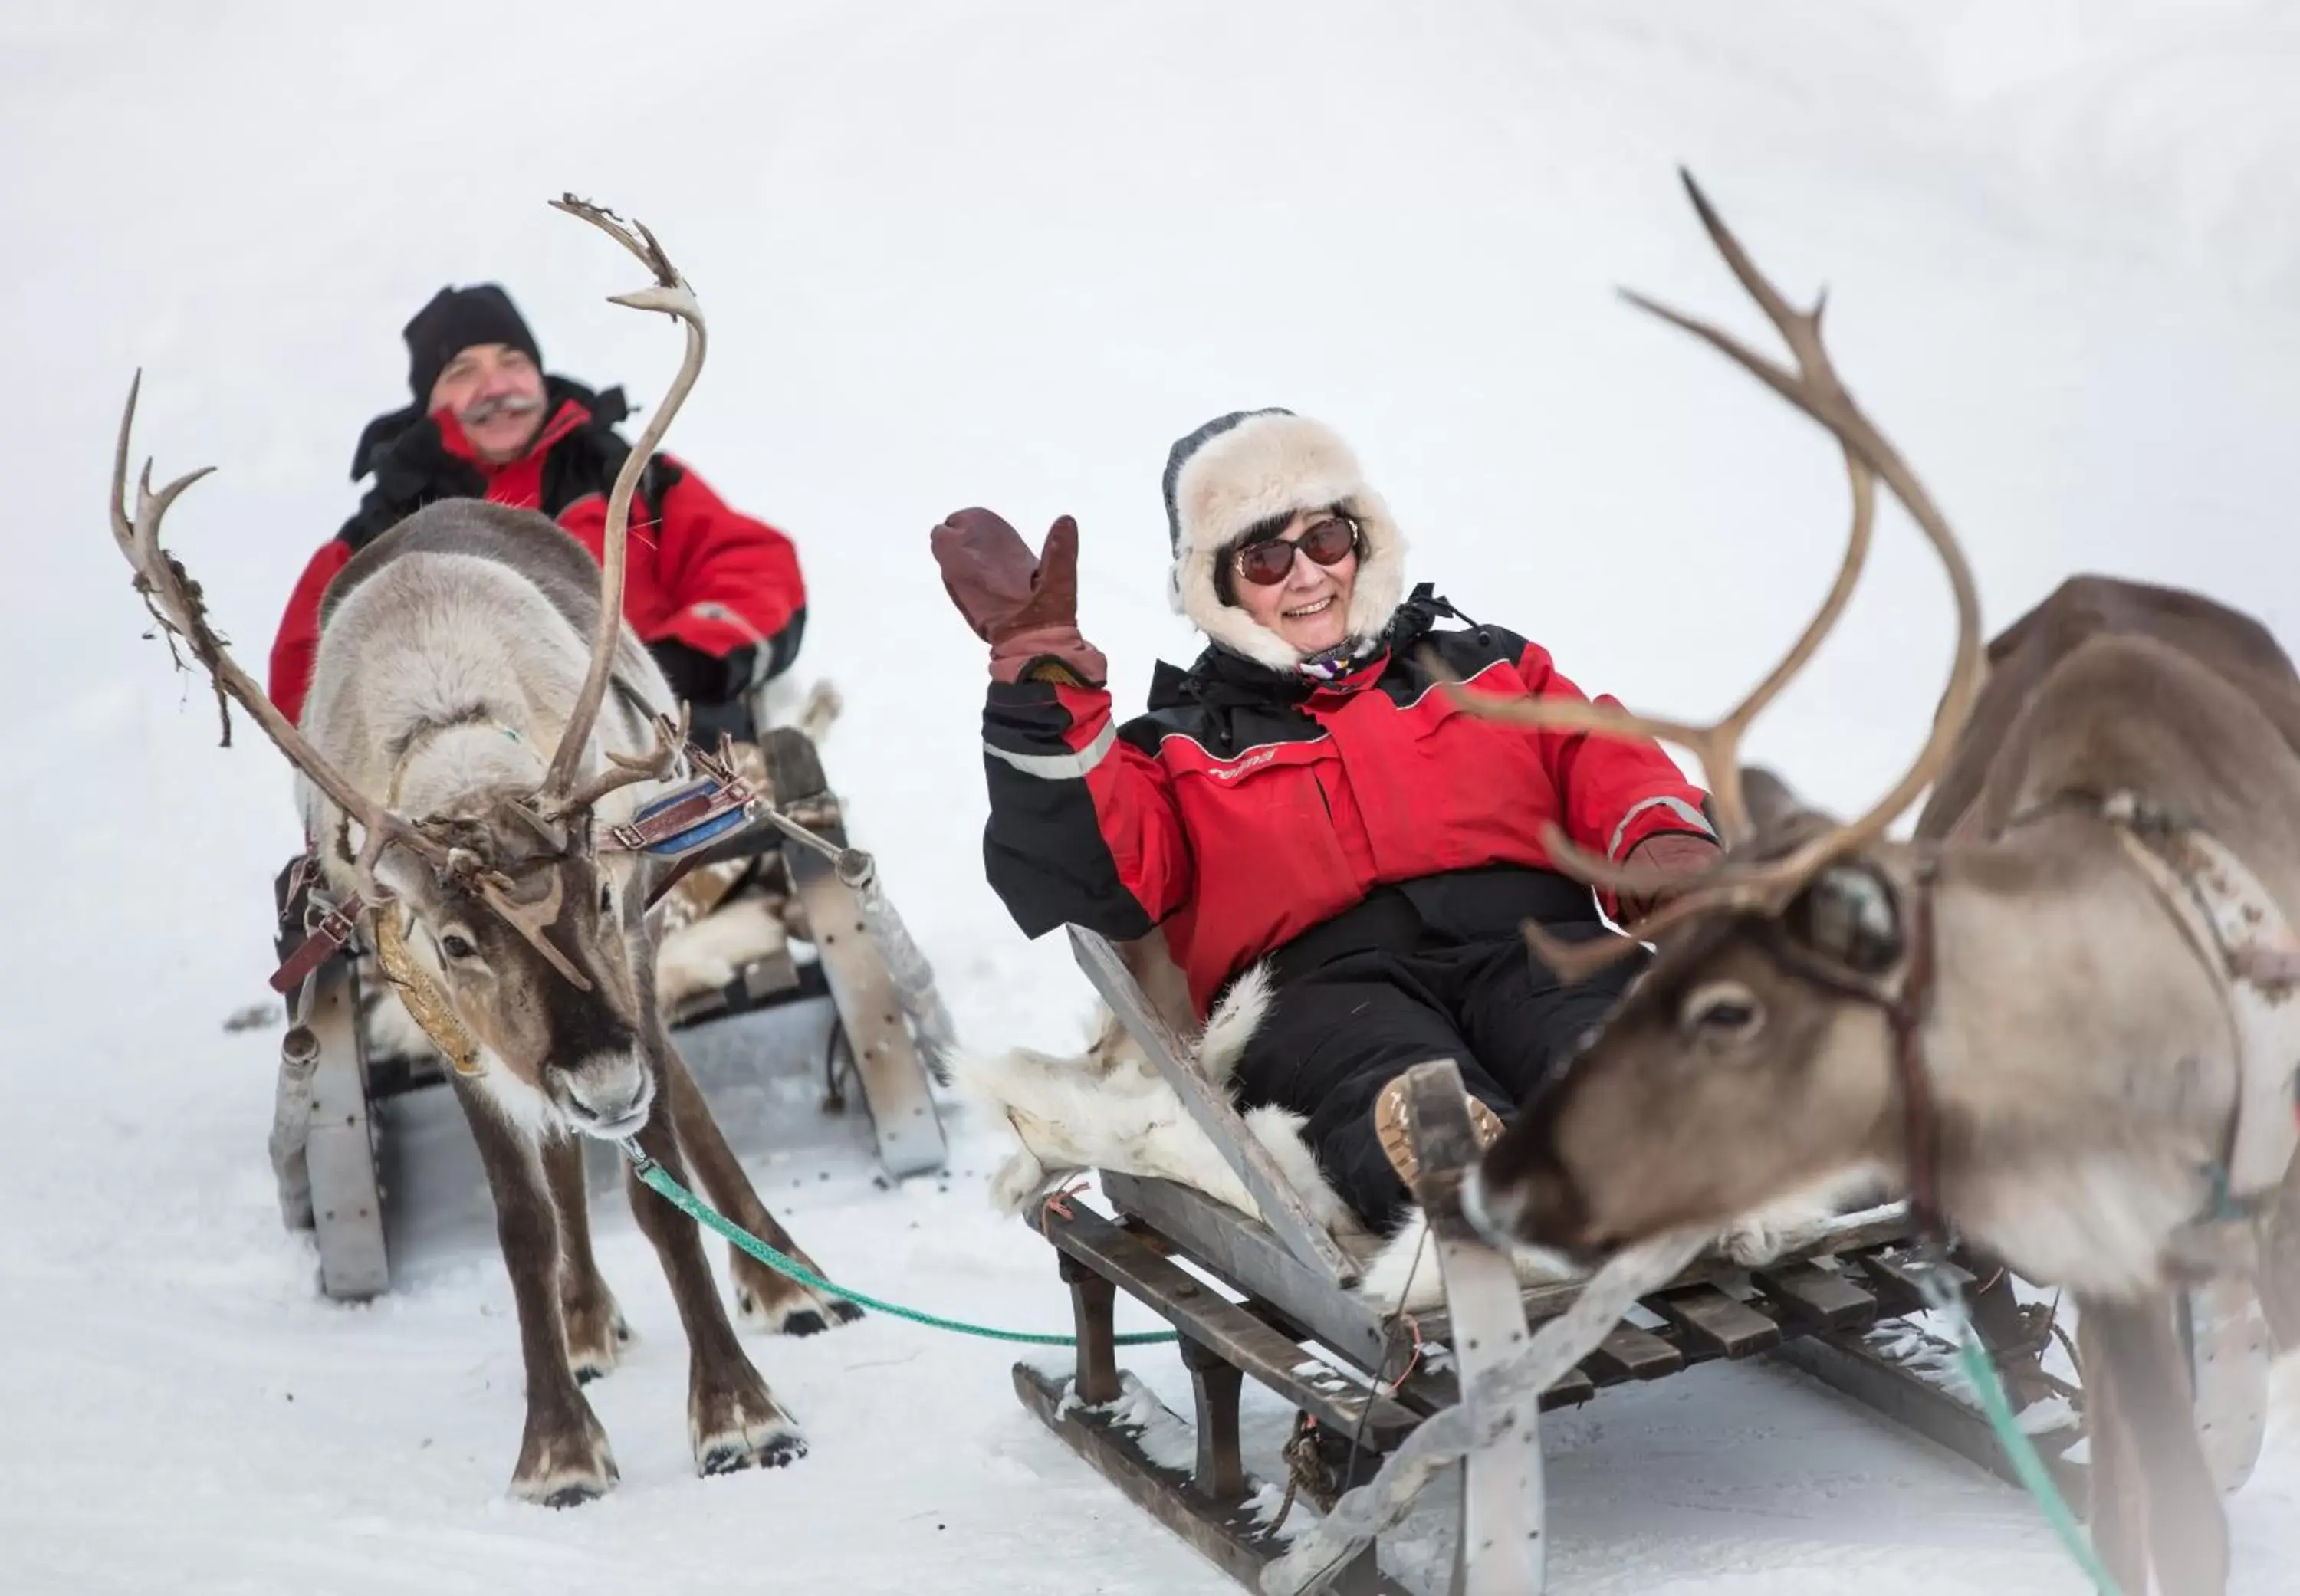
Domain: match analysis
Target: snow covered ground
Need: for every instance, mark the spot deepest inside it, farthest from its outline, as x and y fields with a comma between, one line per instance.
x=956, y=252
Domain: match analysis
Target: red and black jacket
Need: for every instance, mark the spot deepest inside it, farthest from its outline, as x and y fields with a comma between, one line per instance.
x=1247, y=807
x=700, y=576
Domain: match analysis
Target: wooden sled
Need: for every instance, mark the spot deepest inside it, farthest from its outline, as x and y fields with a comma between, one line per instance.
x=1844, y=1310
x=372, y=1152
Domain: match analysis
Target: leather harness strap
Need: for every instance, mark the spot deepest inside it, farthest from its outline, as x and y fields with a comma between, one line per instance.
x=1904, y=1006
x=332, y=931
x=684, y=814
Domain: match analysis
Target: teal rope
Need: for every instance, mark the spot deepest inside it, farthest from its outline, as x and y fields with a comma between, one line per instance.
x=1981, y=1371
x=783, y=1263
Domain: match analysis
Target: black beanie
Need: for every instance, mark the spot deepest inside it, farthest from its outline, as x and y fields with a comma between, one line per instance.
x=455, y=319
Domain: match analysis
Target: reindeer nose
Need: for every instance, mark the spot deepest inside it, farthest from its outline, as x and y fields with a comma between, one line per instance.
x=609, y=1094
x=1521, y=1191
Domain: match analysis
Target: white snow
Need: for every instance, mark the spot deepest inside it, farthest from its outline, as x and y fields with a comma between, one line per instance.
x=959, y=252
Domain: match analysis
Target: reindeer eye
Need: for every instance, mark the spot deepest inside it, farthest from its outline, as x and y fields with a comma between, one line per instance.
x=457, y=945
x=1722, y=1011
x=606, y=897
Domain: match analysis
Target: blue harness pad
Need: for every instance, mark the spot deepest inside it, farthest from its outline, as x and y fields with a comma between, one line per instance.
x=713, y=823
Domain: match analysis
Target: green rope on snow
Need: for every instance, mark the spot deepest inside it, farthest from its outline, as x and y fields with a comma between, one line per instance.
x=1971, y=1357
x=1981, y=1371
x=783, y=1263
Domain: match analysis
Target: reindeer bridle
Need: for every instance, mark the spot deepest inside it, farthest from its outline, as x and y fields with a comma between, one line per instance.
x=1902, y=988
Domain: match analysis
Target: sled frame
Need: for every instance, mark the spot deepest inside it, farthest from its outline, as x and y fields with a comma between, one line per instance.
x=1248, y=1299
x=886, y=1062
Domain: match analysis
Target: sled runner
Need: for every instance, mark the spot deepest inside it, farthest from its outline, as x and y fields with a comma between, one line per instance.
x=1272, y=1299
x=374, y=1156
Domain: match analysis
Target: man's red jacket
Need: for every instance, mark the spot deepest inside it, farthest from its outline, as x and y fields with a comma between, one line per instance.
x=699, y=572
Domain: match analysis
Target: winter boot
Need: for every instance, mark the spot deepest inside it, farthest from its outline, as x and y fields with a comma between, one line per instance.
x=1390, y=1126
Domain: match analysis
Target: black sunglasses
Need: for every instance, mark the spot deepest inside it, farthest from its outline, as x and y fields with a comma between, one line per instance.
x=1266, y=562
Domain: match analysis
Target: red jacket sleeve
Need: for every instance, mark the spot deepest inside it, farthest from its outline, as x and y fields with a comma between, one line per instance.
x=1083, y=827
x=297, y=644
x=1615, y=791
x=733, y=579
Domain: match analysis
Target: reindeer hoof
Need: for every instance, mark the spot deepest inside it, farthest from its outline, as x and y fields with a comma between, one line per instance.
x=594, y=1342
x=779, y=1452
x=801, y=1311
x=755, y=1433
x=574, y=1495
x=564, y=1470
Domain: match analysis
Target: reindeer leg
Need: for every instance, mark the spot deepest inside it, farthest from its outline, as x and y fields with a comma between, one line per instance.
x=563, y=1457
x=763, y=1298
x=2187, y=1527
x=597, y=1333
x=2116, y=1512
x=732, y=1419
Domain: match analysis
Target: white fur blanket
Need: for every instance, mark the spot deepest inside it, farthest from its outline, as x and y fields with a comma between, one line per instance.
x=1109, y=1108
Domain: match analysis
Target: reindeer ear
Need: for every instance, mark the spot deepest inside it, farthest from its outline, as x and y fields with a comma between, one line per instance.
x=1774, y=804
x=1850, y=915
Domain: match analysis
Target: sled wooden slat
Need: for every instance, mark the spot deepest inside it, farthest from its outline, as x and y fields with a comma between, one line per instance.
x=1850, y=1363
x=347, y=1198
x=1213, y=1321
x=1629, y=1353
x=1245, y=1253
x=1229, y=1536
x=1813, y=1296
x=1504, y=1544
x=1847, y=1234
x=1426, y=1391
x=1715, y=1323
x=1288, y=1215
x=887, y=1062
x=1893, y=1277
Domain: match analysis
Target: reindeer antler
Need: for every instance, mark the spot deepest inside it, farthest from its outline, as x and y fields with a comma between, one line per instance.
x=177, y=604
x=669, y=293
x=1814, y=388
x=626, y=770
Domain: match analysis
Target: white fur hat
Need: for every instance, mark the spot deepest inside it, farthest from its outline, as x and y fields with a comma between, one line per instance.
x=1252, y=465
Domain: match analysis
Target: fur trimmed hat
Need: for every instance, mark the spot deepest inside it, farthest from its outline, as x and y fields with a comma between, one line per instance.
x=1253, y=466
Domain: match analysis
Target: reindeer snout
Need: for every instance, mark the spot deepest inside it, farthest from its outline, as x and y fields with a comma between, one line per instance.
x=1520, y=1195
x=609, y=1094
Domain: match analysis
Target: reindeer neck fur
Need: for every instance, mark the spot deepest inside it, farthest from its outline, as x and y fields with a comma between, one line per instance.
x=2082, y=1060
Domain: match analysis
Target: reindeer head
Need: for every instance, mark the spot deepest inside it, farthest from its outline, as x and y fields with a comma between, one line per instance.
x=499, y=914
x=1756, y=1054
x=1754, y=1058
x=528, y=942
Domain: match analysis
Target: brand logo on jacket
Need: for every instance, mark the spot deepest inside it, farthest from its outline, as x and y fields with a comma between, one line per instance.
x=1251, y=761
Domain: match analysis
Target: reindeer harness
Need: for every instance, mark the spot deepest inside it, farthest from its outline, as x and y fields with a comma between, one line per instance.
x=2249, y=949
x=680, y=825
x=2233, y=924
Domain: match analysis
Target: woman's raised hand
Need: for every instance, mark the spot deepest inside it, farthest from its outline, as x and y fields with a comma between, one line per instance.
x=1024, y=605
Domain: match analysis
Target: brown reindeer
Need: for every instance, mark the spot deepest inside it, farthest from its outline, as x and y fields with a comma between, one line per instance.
x=2027, y=1017
x=465, y=768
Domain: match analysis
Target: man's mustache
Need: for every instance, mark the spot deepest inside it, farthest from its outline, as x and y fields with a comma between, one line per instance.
x=502, y=404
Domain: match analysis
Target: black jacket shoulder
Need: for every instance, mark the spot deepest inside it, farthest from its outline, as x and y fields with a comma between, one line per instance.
x=412, y=467
x=1227, y=703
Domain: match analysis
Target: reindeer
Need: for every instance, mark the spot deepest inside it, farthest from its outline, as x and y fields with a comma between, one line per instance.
x=2061, y=1019
x=464, y=771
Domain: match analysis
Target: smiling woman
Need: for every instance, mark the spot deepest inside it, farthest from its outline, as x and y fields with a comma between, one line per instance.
x=1338, y=855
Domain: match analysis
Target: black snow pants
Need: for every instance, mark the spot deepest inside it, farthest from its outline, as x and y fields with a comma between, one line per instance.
x=1431, y=969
